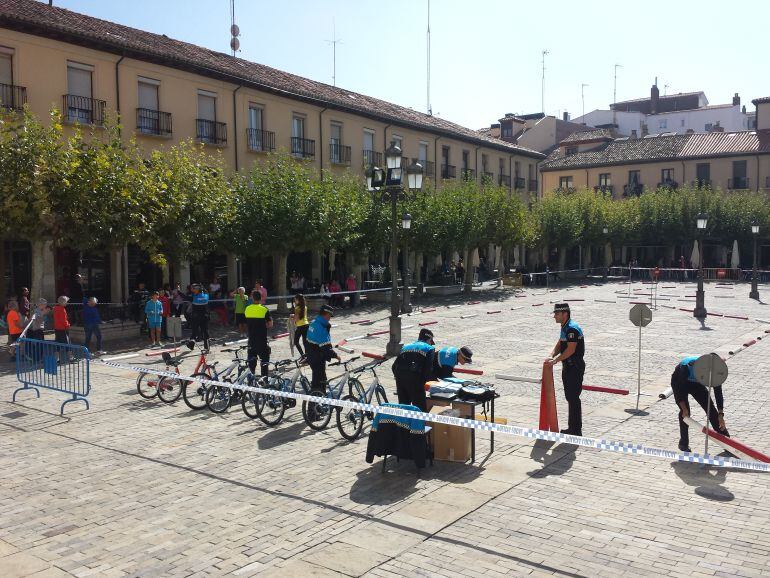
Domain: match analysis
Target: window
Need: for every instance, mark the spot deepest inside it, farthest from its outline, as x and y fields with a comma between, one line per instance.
x=423, y=154
x=667, y=176
x=703, y=174
x=708, y=127
x=368, y=140
x=207, y=106
x=739, y=176
x=399, y=142
x=634, y=178
x=484, y=162
x=565, y=183
x=335, y=140
x=148, y=119
x=501, y=166
x=605, y=180
x=445, y=156
x=682, y=123
x=6, y=65
x=466, y=157
x=259, y=139
x=663, y=123
x=507, y=130
x=80, y=105
x=10, y=96
x=571, y=151
x=298, y=143
x=517, y=168
x=298, y=127
x=255, y=116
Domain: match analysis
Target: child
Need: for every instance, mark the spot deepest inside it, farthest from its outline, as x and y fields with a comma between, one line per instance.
x=61, y=326
x=154, y=312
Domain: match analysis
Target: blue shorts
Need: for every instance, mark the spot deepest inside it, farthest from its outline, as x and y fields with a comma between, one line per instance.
x=152, y=324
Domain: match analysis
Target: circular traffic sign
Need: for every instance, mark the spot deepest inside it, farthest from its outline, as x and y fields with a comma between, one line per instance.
x=640, y=315
x=710, y=364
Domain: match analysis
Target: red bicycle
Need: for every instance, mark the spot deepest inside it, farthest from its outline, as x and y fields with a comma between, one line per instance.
x=168, y=389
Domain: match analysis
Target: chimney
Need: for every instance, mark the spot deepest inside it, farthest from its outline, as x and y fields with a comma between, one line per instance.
x=743, y=109
x=718, y=128
x=654, y=97
x=565, y=116
x=633, y=134
x=645, y=130
x=736, y=100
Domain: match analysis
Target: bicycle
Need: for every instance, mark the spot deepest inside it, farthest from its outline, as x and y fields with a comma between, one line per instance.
x=271, y=408
x=147, y=383
x=350, y=421
x=317, y=414
x=219, y=397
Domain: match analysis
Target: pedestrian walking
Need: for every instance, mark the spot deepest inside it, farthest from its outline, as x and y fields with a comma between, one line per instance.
x=61, y=326
x=92, y=324
x=569, y=350
x=319, y=347
x=37, y=328
x=241, y=301
x=301, y=324
x=258, y=321
x=199, y=315
x=15, y=327
x=684, y=383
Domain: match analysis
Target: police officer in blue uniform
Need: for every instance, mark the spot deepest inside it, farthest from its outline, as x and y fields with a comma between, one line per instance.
x=684, y=383
x=319, y=347
x=412, y=368
x=569, y=350
x=199, y=315
x=447, y=358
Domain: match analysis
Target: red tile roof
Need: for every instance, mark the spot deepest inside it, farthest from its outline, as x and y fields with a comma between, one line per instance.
x=38, y=18
x=762, y=100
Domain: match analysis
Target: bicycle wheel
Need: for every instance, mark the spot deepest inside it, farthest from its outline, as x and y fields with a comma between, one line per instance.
x=317, y=415
x=147, y=385
x=194, y=392
x=271, y=407
x=250, y=404
x=350, y=421
x=356, y=388
x=382, y=397
x=218, y=398
x=169, y=389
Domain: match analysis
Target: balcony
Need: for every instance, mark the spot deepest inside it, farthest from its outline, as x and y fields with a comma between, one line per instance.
x=260, y=141
x=428, y=167
x=532, y=186
x=303, y=148
x=737, y=183
x=83, y=110
x=12, y=97
x=153, y=122
x=211, y=132
x=604, y=189
x=468, y=174
x=339, y=154
x=448, y=172
x=565, y=190
x=521, y=183
x=668, y=184
x=372, y=158
x=633, y=189
x=504, y=181
x=701, y=184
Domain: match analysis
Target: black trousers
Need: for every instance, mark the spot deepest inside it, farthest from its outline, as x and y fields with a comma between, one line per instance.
x=317, y=362
x=572, y=378
x=301, y=332
x=261, y=351
x=700, y=393
x=410, y=389
x=199, y=328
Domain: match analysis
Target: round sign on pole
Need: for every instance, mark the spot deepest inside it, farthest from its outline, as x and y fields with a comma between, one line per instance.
x=640, y=315
x=712, y=364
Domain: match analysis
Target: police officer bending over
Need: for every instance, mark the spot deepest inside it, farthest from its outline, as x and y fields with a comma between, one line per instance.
x=412, y=368
x=258, y=321
x=319, y=347
x=684, y=383
x=570, y=350
x=447, y=358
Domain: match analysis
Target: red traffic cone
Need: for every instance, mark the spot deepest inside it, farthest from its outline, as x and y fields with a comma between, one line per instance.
x=549, y=421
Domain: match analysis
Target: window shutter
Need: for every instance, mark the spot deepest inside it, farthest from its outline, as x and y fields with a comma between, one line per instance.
x=79, y=81
x=6, y=69
x=207, y=107
x=148, y=96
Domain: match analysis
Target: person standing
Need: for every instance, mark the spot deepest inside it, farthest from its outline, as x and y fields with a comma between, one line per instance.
x=241, y=301
x=24, y=305
x=262, y=292
x=37, y=329
x=350, y=287
x=684, y=383
x=61, y=326
x=199, y=315
x=166, y=303
x=569, y=350
x=15, y=327
x=154, y=312
x=319, y=347
x=258, y=321
x=91, y=324
x=301, y=324
x=412, y=368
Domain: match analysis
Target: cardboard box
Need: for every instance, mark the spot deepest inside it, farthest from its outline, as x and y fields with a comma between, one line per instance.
x=450, y=443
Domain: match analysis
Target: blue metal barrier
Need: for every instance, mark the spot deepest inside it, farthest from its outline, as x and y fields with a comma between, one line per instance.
x=57, y=366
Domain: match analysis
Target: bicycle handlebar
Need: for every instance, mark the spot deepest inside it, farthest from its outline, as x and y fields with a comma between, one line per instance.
x=346, y=362
x=369, y=366
x=236, y=350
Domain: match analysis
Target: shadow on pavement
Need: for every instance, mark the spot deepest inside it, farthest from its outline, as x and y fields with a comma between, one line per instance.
x=707, y=481
x=555, y=463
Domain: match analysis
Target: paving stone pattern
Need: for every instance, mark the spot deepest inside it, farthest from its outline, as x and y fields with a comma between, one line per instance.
x=139, y=488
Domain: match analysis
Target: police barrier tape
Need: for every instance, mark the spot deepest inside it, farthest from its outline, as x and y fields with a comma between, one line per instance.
x=518, y=431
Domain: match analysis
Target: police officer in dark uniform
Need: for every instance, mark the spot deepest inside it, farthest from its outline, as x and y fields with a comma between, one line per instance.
x=199, y=315
x=684, y=383
x=570, y=350
x=412, y=368
x=258, y=321
x=319, y=347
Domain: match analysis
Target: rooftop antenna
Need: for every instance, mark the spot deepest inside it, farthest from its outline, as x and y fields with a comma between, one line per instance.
x=542, y=88
x=334, y=41
x=235, y=32
x=615, y=96
x=583, y=97
x=665, y=89
x=430, y=108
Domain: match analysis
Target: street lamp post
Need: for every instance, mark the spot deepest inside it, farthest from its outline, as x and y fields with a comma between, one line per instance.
x=754, y=293
x=700, y=308
x=406, y=306
x=388, y=183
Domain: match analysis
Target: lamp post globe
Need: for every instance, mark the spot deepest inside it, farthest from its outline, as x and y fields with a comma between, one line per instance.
x=754, y=293
x=700, y=312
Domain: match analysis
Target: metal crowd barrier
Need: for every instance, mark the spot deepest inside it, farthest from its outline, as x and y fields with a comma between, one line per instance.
x=57, y=366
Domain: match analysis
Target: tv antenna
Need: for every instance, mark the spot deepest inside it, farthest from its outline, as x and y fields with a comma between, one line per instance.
x=615, y=96
x=334, y=42
x=542, y=87
x=583, y=98
x=235, y=32
x=430, y=108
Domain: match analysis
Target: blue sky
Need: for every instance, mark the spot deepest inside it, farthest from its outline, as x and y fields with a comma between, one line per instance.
x=485, y=54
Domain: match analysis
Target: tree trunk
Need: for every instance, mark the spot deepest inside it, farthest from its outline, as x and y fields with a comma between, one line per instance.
x=562, y=258
x=468, y=282
x=116, y=274
x=418, y=267
x=3, y=289
x=607, y=254
x=279, y=281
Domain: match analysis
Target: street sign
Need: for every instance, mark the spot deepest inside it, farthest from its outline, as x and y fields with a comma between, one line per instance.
x=640, y=315
x=702, y=367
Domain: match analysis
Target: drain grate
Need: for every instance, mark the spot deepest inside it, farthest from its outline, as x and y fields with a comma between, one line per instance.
x=14, y=414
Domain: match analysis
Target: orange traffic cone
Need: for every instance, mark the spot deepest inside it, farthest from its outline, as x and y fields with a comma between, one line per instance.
x=548, y=418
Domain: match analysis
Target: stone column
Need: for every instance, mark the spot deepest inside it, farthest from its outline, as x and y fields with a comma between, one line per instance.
x=116, y=275
x=607, y=254
x=165, y=273
x=624, y=256
x=562, y=258
x=316, y=267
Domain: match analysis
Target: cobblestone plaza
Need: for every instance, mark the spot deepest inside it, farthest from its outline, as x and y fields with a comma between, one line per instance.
x=134, y=487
